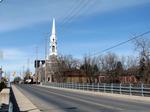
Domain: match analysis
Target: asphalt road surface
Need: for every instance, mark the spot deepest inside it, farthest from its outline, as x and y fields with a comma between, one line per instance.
x=56, y=100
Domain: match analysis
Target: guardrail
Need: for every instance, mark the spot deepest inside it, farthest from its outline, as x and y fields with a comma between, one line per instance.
x=129, y=89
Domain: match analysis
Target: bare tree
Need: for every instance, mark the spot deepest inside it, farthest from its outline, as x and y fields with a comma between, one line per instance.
x=111, y=60
x=131, y=61
x=64, y=64
x=90, y=68
x=143, y=47
x=131, y=66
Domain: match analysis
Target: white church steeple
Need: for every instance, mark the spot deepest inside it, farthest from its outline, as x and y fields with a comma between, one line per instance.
x=53, y=41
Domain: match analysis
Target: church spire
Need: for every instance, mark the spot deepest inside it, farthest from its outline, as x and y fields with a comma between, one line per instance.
x=53, y=40
x=53, y=27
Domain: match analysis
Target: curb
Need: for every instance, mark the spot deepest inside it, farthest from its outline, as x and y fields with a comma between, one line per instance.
x=24, y=104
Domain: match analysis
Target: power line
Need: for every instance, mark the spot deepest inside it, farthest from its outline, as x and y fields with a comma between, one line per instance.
x=119, y=44
x=86, y=6
x=70, y=14
x=75, y=13
x=72, y=10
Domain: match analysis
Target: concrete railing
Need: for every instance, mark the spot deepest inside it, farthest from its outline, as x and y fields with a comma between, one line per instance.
x=24, y=104
x=129, y=89
x=4, y=100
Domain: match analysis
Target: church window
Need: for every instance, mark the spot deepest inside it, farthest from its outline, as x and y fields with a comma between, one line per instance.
x=48, y=78
x=53, y=48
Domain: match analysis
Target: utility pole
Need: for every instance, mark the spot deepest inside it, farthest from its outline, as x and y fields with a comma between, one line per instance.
x=23, y=74
x=8, y=80
x=1, y=70
x=45, y=57
x=36, y=68
x=28, y=63
x=1, y=55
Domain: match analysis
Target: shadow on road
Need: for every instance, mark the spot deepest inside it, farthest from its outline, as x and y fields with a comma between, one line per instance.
x=14, y=102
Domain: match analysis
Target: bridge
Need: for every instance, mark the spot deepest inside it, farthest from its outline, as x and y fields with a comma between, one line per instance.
x=54, y=99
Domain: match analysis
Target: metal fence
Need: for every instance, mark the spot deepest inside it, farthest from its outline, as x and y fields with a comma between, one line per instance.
x=129, y=89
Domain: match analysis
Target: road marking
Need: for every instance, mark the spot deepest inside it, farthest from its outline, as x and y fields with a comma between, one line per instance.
x=85, y=101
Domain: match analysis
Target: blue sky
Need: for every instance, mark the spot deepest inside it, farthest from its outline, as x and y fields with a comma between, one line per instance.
x=83, y=27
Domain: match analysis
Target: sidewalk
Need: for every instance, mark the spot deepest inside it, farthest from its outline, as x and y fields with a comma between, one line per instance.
x=4, y=100
x=4, y=96
x=24, y=104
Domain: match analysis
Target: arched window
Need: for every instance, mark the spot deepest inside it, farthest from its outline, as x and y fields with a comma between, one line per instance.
x=48, y=78
x=53, y=48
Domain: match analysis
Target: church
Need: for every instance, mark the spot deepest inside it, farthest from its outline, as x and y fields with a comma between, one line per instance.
x=48, y=71
x=44, y=71
x=51, y=61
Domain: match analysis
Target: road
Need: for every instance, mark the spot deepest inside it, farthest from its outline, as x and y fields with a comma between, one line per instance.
x=56, y=100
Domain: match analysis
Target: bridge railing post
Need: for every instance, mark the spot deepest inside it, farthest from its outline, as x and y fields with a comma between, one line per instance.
x=142, y=88
x=120, y=88
x=111, y=87
x=130, y=89
x=83, y=86
x=104, y=87
x=98, y=88
x=93, y=86
x=74, y=85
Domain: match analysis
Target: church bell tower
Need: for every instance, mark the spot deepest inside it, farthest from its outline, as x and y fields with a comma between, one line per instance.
x=53, y=41
x=52, y=58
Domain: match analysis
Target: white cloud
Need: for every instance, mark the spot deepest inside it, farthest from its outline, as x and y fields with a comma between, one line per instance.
x=15, y=14
x=14, y=59
x=21, y=13
x=109, y=5
x=13, y=54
